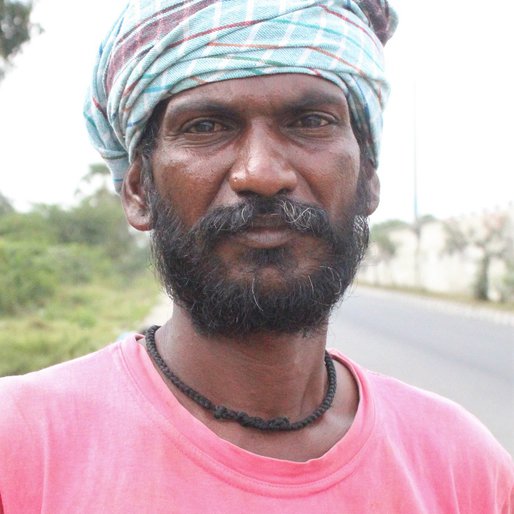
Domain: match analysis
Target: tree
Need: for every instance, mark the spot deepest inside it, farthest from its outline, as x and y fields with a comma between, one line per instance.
x=5, y=205
x=98, y=221
x=15, y=30
x=508, y=282
x=43, y=250
x=493, y=236
x=381, y=238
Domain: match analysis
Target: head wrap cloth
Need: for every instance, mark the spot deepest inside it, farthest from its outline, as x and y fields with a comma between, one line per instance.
x=159, y=48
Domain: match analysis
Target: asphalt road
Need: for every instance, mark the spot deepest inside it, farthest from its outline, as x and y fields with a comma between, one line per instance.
x=460, y=352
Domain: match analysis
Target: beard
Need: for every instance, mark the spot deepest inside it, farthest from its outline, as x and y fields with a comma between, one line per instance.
x=222, y=302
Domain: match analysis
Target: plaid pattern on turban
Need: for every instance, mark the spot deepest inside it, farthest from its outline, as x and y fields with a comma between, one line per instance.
x=159, y=48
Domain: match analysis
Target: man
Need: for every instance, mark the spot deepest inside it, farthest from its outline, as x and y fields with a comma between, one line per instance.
x=245, y=135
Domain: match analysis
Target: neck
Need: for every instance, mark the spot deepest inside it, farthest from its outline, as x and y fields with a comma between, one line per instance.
x=265, y=375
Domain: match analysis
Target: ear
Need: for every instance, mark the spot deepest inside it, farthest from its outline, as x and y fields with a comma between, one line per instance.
x=133, y=198
x=373, y=186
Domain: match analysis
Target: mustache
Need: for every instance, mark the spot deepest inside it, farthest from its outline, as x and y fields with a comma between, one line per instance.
x=273, y=212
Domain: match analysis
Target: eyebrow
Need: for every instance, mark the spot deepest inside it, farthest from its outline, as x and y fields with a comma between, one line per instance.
x=197, y=105
x=308, y=100
x=313, y=99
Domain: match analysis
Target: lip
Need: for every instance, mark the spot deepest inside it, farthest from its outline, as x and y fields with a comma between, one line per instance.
x=271, y=221
x=265, y=237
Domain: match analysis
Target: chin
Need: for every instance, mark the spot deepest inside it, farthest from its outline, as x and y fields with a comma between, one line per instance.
x=274, y=269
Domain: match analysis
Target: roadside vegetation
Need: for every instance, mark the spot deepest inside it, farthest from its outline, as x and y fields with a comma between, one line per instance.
x=71, y=280
x=15, y=30
x=477, y=249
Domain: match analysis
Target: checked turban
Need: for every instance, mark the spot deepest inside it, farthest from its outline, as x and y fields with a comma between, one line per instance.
x=159, y=48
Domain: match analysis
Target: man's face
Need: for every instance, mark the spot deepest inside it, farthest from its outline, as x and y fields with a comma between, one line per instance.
x=258, y=203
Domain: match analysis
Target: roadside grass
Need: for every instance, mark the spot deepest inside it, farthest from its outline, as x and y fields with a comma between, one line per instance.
x=493, y=306
x=79, y=320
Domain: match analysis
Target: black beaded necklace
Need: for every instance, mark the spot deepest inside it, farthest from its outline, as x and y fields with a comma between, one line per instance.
x=278, y=424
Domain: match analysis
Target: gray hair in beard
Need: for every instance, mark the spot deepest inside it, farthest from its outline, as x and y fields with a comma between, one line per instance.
x=198, y=280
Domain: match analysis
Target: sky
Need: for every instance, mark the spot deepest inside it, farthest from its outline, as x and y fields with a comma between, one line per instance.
x=449, y=121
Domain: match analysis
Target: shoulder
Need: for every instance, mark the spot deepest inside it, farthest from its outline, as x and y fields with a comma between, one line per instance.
x=401, y=404
x=28, y=399
x=62, y=371
x=55, y=404
x=428, y=413
x=422, y=428
x=449, y=442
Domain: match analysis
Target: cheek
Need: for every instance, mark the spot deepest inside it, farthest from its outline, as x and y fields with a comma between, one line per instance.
x=190, y=184
x=334, y=178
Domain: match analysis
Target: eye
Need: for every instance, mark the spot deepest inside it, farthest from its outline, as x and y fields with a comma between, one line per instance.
x=204, y=127
x=311, y=121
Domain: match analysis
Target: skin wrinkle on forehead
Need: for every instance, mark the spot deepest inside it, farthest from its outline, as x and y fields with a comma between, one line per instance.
x=308, y=100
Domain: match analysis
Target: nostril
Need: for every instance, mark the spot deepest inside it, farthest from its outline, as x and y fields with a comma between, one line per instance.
x=247, y=194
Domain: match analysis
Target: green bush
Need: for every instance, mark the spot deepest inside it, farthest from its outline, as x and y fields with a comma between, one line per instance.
x=27, y=275
x=76, y=263
x=77, y=320
x=31, y=273
x=27, y=226
x=71, y=279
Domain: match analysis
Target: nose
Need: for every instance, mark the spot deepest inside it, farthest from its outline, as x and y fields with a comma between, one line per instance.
x=262, y=166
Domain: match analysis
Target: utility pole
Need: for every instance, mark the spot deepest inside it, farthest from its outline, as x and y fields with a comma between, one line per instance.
x=417, y=225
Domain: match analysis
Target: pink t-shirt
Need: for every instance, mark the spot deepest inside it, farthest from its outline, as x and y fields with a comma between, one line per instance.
x=103, y=434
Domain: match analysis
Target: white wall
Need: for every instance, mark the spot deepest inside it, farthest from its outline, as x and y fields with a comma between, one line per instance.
x=428, y=265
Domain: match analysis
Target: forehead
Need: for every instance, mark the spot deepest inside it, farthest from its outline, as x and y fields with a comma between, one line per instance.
x=273, y=92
